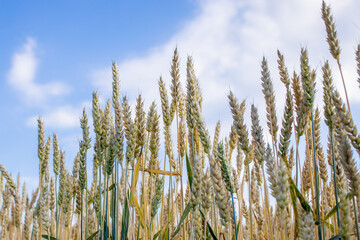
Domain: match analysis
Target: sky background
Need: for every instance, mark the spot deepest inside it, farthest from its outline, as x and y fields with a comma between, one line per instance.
x=53, y=56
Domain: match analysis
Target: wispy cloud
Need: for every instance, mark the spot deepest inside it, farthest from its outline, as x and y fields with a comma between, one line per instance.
x=61, y=117
x=22, y=76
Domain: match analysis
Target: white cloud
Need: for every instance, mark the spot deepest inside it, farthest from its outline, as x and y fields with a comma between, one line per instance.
x=23, y=73
x=227, y=41
x=61, y=117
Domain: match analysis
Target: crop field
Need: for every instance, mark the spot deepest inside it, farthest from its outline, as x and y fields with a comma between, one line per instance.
x=199, y=185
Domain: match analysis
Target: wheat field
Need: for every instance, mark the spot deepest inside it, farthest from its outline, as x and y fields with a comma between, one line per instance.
x=197, y=186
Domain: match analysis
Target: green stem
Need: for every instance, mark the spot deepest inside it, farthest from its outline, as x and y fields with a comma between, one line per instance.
x=356, y=219
x=232, y=198
x=214, y=203
x=106, y=208
x=266, y=204
x=180, y=167
x=138, y=231
x=100, y=212
x=100, y=189
x=297, y=162
x=250, y=201
x=150, y=228
x=334, y=175
x=56, y=208
x=115, y=211
x=86, y=210
x=316, y=177
x=81, y=216
x=343, y=82
x=170, y=198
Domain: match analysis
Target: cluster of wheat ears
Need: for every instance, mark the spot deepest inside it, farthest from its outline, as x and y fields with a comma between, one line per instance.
x=128, y=197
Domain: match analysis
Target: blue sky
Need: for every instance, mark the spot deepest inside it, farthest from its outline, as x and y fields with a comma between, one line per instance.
x=54, y=55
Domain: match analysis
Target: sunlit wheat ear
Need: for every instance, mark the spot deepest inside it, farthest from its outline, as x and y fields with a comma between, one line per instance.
x=347, y=121
x=225, y=169
x=257, y=136
x=233, y=139
x=16, y=213
x=216, y=138
x=96, y=113
x=164, y=102
x=56, y=155
x=154, y=144
x=332, y=38
x=140, y=124
x=130, y=146
x=68, y=195
x=344, y=207
x=115, y=84
x=197, y=185
x=200, y=126
x=207, y=196
x=198, y=225
x=278, y=180
x=306, y=225
x=84, y=146
x=52, y=194
x=35, y=229
x=238, y=119
x=308, y=79
x=155, y=203
x=27, y=223
x=283, y=71
x=269, y=95
x=106, y=127
x=119, y=132
x=287, y=121
x=62, y=180
x=239, y=159
x=175, y=86
x=191, y=94
x=126, y=117
x=302, y=115
x=328, y=88
x=221, y=195
x=182, y=127
x=319, y=148
x=8, y=178
x=44, y=203
x=44, y=165
x=349, y=165
x=41, y=139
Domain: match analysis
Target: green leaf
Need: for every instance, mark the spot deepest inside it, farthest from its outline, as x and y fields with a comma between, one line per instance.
x=296, y=214
x=189, y=170
x=237, y=229
x=333, y=210
x=93, y=235
x=157, y=234
x=335, y=237
x=112, y=202
x=183, y=216
x=125, y=221
x=112, y=186
x=301, y=198
x=47, y=237
x=209, y=226
x=332, y=229
x=106, y=232
x=211, y=231
x=165, y=235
